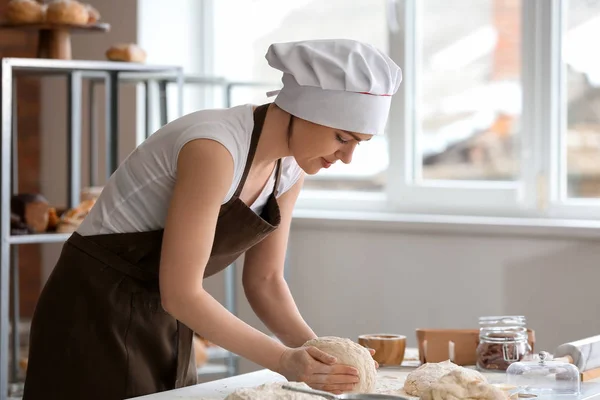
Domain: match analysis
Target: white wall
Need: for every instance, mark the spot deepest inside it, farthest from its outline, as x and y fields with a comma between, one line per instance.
x=357, y=280
x=361, y=280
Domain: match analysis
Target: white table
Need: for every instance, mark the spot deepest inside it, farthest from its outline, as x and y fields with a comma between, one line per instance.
x=219, y=389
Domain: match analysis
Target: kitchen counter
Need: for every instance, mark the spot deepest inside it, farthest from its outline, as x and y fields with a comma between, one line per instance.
x=390, y=380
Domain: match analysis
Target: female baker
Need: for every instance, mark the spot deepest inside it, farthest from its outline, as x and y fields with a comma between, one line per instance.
x=116, y=317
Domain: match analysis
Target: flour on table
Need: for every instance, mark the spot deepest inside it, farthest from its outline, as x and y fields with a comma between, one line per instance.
x=390, y=385
x=272, y=391
x=353, y=354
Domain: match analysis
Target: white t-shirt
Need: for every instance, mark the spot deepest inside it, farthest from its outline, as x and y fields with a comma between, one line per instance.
x=137, y=195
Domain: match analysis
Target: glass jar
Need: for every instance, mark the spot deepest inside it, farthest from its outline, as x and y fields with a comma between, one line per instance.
x=503, y=340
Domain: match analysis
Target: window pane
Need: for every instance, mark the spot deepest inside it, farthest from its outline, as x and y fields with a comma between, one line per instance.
x=240, y=56
x=582, y=100
x=469, y=90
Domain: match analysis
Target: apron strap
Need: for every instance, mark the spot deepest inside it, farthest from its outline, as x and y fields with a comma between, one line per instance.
x=277, y=178
x=185, y=348
x=260, y=113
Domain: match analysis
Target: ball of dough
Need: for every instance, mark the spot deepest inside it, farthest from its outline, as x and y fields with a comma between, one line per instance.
x=272, y=391
x=67, y=12
x=460, y=384
x=25, y=12
x=421, y=379
x=350, y=353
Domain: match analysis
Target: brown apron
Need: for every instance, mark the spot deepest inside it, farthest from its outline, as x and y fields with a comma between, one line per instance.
x=99, y=331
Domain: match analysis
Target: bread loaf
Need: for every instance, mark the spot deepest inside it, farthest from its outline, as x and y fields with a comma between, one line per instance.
x=30, y=210
x=128, y=52
x=93, y=14
x=200, y=351
x=72, y=218
x=53, y=219
x=25, y=12
x=67, y=12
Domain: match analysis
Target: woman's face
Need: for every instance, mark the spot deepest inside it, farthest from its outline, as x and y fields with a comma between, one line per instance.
x=316, y=146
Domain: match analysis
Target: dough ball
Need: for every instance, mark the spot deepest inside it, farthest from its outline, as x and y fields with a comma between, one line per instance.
x=421, y=379
x=460, y=384
x=353, y=354
x=272, y=391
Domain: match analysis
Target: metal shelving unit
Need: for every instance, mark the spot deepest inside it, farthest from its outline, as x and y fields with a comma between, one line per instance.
x=112, y=74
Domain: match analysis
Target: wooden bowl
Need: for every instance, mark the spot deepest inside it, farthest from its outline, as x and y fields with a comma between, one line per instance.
x=389, y=348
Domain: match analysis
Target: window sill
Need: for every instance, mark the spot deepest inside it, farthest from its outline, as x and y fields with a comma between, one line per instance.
x=458, y=224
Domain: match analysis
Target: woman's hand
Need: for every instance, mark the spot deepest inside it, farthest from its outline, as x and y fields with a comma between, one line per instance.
x=317, y=369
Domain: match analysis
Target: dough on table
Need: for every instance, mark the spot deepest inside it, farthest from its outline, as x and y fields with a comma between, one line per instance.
x=353, y=354
x=459, y=384
x=420, y=380
x=272, y=391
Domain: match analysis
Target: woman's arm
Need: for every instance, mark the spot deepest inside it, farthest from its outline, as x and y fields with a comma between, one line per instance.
x=264, y=284
x=204, y=175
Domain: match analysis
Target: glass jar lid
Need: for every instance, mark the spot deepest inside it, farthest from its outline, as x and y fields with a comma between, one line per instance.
x=544, y=376
x=503, y=329
x=502, y=321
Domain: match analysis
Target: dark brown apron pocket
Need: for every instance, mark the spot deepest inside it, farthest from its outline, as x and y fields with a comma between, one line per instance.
x=151, y=345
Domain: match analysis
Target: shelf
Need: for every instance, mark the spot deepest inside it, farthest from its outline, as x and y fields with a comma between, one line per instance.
x=99, y=26
x=39, y=238
x=46, y=65
x=212, y=369
x=218, y=353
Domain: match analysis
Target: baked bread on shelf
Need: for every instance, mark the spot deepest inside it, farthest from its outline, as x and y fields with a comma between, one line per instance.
x=67, y=12
x=93, y=14
x=128, y=52
x=200, y=351
x=72, y=218
x=57, y=12
x=29, y=213
x=25, y=12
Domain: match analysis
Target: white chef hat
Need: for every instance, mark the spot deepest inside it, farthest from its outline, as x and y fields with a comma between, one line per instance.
x=340, y=83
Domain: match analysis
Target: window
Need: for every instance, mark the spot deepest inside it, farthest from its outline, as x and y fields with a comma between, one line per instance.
x=498, y=112
x=581, y=102
x=470, y=98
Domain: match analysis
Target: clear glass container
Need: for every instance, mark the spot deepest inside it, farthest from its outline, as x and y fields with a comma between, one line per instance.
x=503, y=340
x=544, y=377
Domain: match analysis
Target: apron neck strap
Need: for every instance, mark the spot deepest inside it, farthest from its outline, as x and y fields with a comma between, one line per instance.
x=260, y=114
x=277, y=178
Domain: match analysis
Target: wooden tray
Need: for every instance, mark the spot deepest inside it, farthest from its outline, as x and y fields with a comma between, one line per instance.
x=465, y=342
x=55, y=39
